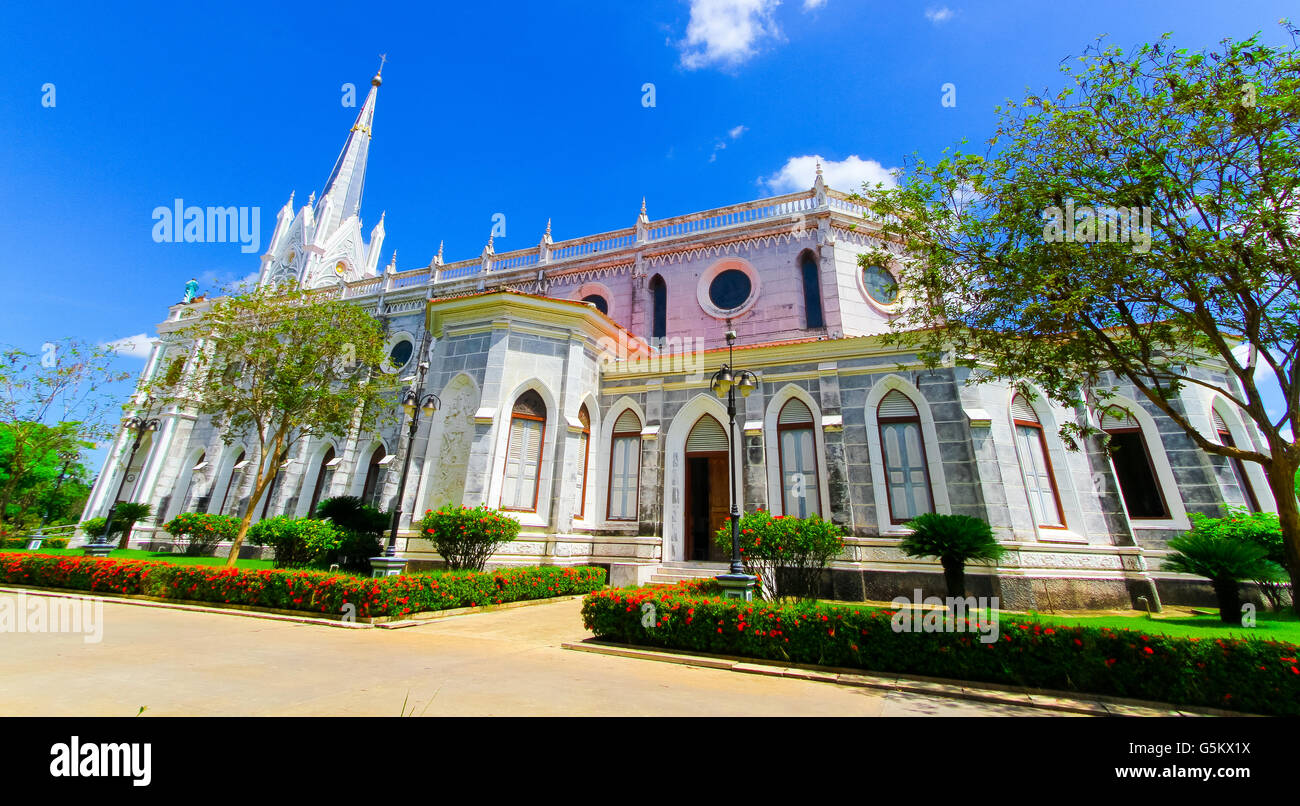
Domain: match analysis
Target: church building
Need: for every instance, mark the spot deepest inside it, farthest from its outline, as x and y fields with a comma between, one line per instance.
x=574, y=380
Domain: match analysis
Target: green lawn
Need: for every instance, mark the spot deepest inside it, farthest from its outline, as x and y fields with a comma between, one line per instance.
x=1268, y=626
x=158, y=556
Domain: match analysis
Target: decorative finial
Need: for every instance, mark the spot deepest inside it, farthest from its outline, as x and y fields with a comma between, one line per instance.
x=290, y=204
x=548, y=228
x=819, y=166
x=643, y=205
x=439, y=251
x=489, y=243
x=311, y=199
x=377, y=80
x=381, y=216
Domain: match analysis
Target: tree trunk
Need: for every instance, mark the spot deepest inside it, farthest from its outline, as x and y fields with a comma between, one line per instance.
x=1281, y=482
x=126, y=535
x=954, y=576
x=1229, y=601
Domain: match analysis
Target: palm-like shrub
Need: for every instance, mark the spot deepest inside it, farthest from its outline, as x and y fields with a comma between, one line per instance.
x=956, y=540
x=361, y=529
x=1257, y=528
x=1223, y=561
x=129, y=513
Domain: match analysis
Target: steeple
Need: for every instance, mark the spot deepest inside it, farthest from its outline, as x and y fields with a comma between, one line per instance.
x=342, y=195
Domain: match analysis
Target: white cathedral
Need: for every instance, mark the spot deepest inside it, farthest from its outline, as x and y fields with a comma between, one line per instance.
x=575, y=385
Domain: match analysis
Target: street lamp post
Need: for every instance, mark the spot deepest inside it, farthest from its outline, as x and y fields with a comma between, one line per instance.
x=736, y=584
x=414, y=402
x=100, y=545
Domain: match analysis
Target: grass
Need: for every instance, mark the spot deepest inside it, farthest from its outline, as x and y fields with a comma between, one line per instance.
x=1268, y=626
x=1178, y=622
x=157, y=556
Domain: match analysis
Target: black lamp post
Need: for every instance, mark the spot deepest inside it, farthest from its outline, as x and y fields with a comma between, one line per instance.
x=736, y=584
x=101, y=545
x=414, y=402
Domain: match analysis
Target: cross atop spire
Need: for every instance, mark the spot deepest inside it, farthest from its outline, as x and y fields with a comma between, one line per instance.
x=377, y=80
x=343, y=188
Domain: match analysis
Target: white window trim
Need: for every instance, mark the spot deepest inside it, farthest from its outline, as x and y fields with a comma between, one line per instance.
x=772, y=449
x=1164, y=471
x=929, y=436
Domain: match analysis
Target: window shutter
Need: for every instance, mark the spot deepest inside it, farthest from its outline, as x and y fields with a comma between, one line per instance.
x=1021, y=410
x=627, y=423
x=1110, y=421
x=896, y=404
x=1219, y=425
x=795, y=411
x=707, y=435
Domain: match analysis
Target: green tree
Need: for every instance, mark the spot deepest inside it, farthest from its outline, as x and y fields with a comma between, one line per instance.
x=1017, y=263
x=279, y=365
x=52, y=405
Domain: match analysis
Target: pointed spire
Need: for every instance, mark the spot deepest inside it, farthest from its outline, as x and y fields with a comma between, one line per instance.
x=392, y=264
x=643, y=205
x=437, y=259
x=490, y=250
x=346, y=181
x=548, y=228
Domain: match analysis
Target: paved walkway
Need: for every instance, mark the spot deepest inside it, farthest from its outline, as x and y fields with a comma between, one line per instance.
x=507, y=662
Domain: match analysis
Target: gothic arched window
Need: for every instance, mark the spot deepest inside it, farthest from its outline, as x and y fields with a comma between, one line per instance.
x=624, y=467
x=584, y=442
x=659, y=307
x=812, y=291
x=523, y=468
x=906, y=475
x=800, y=488
x=1040, y=482
x=1134, y=470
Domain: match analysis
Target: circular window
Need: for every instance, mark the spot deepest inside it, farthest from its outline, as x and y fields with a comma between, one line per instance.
x=598, y=301
x=400, y=354
x=730, y=289
x=880, y=284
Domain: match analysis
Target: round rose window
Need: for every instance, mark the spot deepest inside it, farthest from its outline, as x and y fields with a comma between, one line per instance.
x=729, y=289
x=880, y=284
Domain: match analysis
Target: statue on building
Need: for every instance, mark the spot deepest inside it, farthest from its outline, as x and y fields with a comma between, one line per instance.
x=191, y=288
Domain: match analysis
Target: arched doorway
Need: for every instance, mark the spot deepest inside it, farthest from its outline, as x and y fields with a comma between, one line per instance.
x=707, y=497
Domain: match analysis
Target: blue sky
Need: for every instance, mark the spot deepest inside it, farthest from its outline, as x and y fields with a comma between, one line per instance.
x=531, y=110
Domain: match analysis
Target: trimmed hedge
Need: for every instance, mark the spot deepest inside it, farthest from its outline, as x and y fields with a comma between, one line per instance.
x=309, y=591
x=1248, y=675
x=21, y=542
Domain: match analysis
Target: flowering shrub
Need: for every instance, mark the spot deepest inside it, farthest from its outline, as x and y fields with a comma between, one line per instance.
x=202, y=531
x=466, y=537
x=297, y=542
x=770, y=545
x=309, y=591
x=1248, y=675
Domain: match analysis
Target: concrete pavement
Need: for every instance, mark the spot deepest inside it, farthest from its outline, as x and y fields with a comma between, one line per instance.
x=502, y=663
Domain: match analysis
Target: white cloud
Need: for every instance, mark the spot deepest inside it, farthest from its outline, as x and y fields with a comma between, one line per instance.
x=137, y=346
x=810, y=5
x=726, y=33
x=939, y=15
x=735, y=133
x=847, y=175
